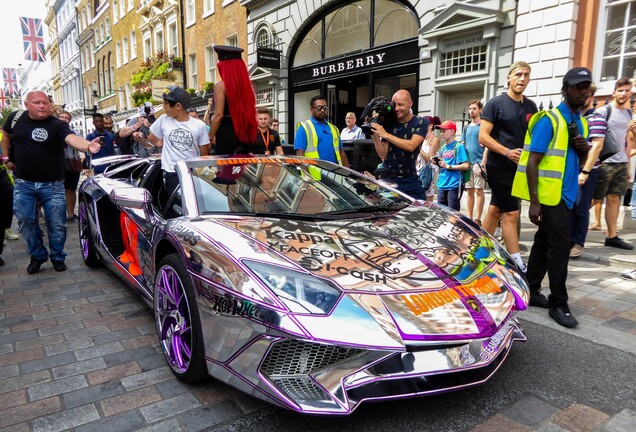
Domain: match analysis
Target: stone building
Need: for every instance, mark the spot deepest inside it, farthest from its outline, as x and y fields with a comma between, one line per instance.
x=207, y=24
x=53, y=54
x=444, y=52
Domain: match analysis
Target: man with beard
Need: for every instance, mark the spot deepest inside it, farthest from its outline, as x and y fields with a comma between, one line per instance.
x=613, y=173
x=106, y=139
x=267, y=139
x=504, y=122
x=317, y=138
x=399, y=147
x=547, y=176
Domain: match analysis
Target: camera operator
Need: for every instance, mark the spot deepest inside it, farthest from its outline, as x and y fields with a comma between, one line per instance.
x=137, y=128
x=399, y=146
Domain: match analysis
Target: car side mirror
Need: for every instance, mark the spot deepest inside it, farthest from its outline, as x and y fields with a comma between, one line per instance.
x=136, y=198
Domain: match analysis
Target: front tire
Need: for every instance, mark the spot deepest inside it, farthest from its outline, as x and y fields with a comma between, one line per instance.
x=89, y=254
x=177, y=320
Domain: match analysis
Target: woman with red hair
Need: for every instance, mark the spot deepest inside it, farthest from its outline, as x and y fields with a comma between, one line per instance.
x=234, y=123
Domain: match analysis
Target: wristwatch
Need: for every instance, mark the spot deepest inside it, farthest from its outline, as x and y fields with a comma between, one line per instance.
x=585, y=172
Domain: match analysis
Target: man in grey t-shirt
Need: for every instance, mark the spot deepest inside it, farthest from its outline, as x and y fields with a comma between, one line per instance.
x=613, y=174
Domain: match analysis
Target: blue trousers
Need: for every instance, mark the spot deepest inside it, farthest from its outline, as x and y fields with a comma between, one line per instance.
x=26, y=195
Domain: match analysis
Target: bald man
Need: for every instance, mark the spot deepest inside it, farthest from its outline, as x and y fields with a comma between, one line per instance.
x=33, y=146
x=399, y=145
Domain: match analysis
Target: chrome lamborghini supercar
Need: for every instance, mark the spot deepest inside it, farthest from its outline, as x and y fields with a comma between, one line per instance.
x=304, y=283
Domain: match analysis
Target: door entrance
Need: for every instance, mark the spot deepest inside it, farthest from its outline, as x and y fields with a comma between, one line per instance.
x=454, y=106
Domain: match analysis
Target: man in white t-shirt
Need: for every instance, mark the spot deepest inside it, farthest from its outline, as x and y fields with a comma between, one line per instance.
x=178, y=134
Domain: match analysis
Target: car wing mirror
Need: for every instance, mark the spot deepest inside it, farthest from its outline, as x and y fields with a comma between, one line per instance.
x=136, y=198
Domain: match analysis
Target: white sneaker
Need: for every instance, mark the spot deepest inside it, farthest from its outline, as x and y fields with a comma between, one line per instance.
x=630, y=275
x=10, y=235
x=498, y=234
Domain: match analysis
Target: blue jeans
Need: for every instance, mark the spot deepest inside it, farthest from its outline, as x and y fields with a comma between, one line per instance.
x=410, y=185
x=26, y=195
x=580, y=213
x=633, y=203
x=450, y=198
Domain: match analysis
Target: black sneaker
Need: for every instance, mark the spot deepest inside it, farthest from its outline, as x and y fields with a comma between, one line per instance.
x=1, y=261
x=562, y=315
x=59, y=266
x=618, y=242
x=34, y=265
x=539, y=300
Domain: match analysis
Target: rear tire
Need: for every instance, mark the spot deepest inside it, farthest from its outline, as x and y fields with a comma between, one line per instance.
x=89, y=254
x=177, y=320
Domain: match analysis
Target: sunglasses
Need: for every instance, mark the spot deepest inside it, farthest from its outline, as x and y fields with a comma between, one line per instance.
x=321, y=107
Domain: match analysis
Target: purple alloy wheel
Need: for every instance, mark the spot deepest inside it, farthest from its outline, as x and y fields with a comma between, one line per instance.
x=172, y=315
x=83, y=230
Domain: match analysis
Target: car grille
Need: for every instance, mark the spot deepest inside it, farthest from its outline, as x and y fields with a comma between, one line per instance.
x=289, y=362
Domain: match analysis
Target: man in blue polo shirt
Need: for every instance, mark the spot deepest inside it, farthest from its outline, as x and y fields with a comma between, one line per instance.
x=317, y=138
x=107, y=140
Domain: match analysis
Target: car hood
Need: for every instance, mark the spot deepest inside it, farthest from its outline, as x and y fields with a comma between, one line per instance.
x=422, y=271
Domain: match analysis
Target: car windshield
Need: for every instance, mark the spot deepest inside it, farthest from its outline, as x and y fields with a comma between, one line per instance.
x=287, y=186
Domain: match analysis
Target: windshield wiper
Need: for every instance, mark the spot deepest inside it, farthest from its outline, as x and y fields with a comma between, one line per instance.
x=366, y=210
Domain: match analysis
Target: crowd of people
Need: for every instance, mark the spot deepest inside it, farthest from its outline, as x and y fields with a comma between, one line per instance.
x=557, y=160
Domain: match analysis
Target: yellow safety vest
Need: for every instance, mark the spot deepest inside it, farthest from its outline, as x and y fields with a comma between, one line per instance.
x=552, y=166
x=312, y=140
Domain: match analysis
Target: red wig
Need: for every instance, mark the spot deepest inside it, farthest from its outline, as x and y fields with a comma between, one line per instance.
x=240, y=98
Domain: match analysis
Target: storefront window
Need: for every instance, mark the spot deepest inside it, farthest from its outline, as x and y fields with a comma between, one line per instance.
x=347, y=30
x=393, y=22
x=619, y=50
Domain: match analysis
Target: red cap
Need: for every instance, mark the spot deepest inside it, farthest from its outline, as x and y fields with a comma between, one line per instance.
x=447, y=125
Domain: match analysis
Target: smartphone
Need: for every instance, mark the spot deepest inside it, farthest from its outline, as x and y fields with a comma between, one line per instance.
x=436, y=160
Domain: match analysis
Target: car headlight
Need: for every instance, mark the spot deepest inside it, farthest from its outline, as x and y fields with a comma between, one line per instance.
x=301, y=293
x=517, y=283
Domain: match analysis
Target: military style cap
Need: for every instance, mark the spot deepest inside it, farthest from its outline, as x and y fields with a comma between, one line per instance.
x=225, y=52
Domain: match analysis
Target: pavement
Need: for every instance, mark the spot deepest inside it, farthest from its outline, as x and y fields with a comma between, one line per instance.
x=78, y=351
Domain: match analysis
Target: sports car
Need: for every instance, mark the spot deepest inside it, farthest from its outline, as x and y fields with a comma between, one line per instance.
x=304, y=283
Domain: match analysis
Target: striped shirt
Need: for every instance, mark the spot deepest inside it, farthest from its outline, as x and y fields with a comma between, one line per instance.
x=598, y=128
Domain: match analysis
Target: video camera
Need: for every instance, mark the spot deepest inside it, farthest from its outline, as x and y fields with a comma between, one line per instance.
x=151, y=117
x=380, y=111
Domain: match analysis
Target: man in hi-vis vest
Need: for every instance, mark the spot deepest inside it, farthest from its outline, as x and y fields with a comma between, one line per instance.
x=547, y=176
x=317, y=138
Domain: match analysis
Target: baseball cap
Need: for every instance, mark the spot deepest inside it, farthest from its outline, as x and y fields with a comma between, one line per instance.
x=447, y=125
x=226, y=52
x=177, y=94
x=518, y=64
x=576, y=76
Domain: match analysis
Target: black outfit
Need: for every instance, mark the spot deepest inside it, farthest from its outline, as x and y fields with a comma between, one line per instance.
x=226, y=140
x=550, y=253
x=6, y=204
x=510, y=123
x=42, y=147
x=274, y=141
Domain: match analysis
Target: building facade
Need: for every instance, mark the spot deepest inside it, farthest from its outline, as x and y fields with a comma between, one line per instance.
x=53, y=54
x=445, y=53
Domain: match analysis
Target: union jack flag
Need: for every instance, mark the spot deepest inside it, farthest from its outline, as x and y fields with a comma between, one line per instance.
x=3, y=100
x=33, y=39
x=10, y=79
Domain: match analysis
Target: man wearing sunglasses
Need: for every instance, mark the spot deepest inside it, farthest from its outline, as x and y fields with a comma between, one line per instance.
x=317, y=138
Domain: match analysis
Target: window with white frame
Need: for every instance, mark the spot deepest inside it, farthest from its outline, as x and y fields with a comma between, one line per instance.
x=208, y=7
x=619, y=47
x=227, y=2
x=107, y=23
x=125, y=48
x=190, y=12
x=173, y=41
x=118, y=54
x=264, y=96
x=192, y=66
x=263, y=38
x=129, y=104
x=210, y=64
x=92, y=54
x=232, y=40
x=133, y=45
x=115, y=4
x=159, y=41
x=131, y=4
x=461, y=61
x=122, y=8
x=147, y=46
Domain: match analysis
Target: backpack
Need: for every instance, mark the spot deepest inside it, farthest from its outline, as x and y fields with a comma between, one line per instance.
x=610, y=145
x=465, y=173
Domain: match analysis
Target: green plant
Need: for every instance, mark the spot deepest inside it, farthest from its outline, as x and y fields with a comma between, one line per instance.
x=191, y=91
x=208, y=86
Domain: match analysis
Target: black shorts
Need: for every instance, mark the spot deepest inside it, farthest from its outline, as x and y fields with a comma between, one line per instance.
x=500, y=181
x=71, y=180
